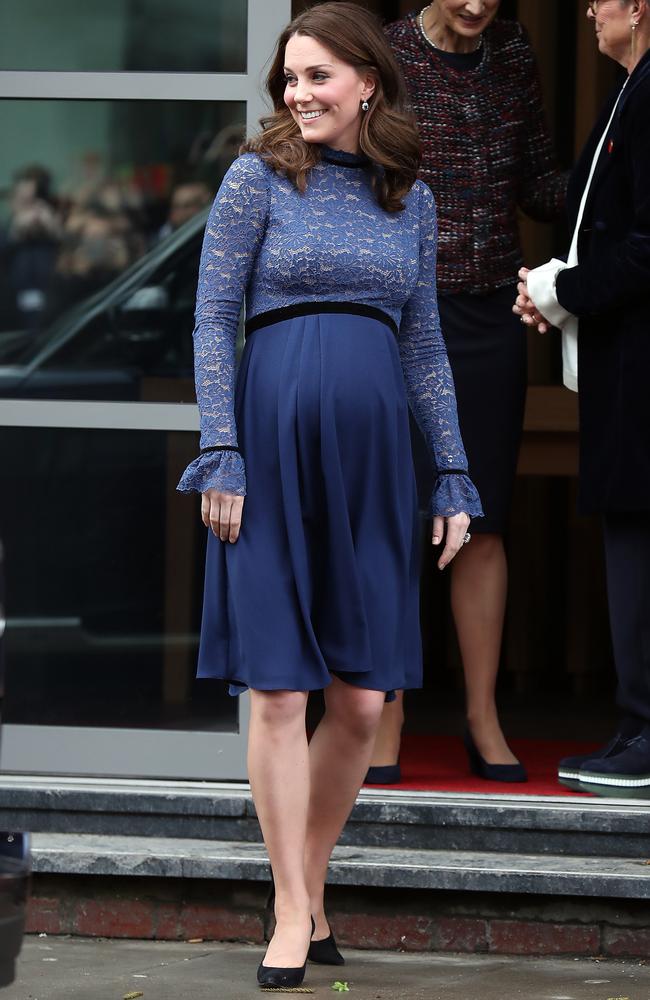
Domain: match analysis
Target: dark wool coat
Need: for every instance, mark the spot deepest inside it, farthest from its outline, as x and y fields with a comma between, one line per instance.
x=609, y=291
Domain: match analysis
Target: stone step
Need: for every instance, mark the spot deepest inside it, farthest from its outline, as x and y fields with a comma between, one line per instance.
x=87, y=854
x=509, y=823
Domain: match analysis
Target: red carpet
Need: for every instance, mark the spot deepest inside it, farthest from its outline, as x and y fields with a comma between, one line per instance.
x=439, y=764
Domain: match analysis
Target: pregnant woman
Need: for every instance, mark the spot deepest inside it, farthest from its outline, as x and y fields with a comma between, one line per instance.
x=312, y=580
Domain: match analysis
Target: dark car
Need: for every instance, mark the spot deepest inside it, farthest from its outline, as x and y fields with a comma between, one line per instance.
x=112, y=344
x=14, y=861
x=14, y=893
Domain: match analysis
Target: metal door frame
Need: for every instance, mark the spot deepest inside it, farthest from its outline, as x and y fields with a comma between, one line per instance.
x=153, y=753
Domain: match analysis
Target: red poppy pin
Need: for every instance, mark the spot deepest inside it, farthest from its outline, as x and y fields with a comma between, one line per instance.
x=610, y=146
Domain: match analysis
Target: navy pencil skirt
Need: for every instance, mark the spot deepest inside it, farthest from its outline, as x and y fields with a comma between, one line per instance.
x=487, y=350
x=324, y=578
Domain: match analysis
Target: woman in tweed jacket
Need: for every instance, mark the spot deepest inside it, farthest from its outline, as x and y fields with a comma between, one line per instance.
x=486, y=154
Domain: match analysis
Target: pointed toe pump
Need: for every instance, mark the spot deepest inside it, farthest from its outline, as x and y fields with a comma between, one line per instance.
x=271, y=977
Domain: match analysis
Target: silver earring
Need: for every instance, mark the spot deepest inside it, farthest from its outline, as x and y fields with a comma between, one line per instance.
x=364, y=105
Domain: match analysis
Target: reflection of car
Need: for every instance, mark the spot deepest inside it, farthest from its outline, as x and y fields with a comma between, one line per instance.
x=14, y=861
x=113, y=344
x=89, y=515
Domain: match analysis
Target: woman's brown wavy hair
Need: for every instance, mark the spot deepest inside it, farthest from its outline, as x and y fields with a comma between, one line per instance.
x=388, y=136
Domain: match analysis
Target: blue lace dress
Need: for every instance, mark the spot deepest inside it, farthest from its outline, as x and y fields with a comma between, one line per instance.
x=342, y=326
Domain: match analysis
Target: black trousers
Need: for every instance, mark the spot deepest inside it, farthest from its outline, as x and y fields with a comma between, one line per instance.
x=627, y=555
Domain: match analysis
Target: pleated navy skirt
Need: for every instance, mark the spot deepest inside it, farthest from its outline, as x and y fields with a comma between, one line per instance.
x=324, y=578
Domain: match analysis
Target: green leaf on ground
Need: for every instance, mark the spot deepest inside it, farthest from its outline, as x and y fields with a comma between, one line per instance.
x=340, y=987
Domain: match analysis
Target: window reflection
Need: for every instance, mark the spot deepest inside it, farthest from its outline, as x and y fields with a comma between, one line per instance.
x=202, y=36
x=103, y=574
x=100, y=240
x=132, y=342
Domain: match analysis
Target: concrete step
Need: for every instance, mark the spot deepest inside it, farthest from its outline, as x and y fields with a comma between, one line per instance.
x=389, y=867
x=509, y=823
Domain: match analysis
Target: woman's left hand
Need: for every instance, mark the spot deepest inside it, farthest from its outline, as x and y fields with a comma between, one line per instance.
x=456, y=529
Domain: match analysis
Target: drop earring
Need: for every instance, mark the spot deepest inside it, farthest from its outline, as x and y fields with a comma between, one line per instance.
x=364, y=105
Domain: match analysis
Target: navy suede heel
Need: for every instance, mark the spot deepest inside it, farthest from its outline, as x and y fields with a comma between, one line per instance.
x=491, y=772
x=390, y=774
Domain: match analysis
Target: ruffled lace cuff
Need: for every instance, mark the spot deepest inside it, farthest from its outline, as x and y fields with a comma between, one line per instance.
x=215, y=470
x=454, y=494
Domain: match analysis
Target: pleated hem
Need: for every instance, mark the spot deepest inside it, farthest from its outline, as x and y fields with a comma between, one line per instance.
x=235, y=689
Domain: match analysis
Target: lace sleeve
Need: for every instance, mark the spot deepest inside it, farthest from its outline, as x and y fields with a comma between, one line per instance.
x=429, y=381
x=233, y=235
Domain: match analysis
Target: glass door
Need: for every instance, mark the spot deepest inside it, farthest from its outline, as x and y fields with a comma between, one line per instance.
x=119, y=122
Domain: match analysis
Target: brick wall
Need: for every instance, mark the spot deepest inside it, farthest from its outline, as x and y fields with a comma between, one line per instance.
x=387, y=919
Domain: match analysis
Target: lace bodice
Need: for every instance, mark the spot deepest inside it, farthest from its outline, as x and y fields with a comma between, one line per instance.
x=275, y=247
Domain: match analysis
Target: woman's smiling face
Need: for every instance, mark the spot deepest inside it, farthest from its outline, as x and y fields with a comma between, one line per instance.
x=324, y=94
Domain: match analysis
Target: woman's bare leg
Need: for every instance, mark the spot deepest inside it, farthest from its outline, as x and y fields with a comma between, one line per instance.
x=278, y=768
x=479, y=581
x=339, y=755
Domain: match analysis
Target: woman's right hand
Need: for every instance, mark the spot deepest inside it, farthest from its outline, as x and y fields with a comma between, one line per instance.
x=221, y=512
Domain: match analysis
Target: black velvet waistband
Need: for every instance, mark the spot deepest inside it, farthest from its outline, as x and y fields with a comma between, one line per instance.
x=313, y=309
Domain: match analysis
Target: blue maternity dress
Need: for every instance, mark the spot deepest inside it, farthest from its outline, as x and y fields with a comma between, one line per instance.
x=342, y=325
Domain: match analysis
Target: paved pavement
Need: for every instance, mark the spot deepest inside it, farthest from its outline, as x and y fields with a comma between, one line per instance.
x=53, y=968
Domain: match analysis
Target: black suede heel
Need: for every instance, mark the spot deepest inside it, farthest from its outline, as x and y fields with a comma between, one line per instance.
x=273, y=977
x=325, y=952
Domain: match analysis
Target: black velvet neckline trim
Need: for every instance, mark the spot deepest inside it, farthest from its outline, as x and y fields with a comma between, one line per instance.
x=343, y=159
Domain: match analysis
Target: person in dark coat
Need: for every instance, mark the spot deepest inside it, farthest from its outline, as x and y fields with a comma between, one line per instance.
x=601, y=300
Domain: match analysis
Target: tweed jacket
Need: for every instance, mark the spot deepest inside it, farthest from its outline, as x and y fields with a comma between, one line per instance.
x=486, y=151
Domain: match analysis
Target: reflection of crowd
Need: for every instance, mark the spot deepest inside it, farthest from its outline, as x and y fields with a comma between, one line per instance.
x=55, y=250
x=28, y=246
